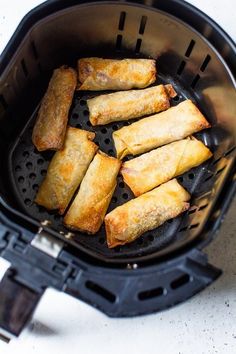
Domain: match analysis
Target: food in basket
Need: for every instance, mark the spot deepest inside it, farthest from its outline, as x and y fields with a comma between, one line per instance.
x=124, y=105
x=50, y=127
x=148, y=133
x=127, y=222
x=158, y=166
x=89, y=207
x=98, y=74
x=66, y=170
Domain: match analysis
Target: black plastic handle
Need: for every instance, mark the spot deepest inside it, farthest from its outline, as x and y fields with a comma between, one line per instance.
x=17, y=304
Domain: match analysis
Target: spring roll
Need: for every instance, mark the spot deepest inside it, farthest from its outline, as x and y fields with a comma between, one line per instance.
x=109, y=74
x=50, y=127
x=129, y=221
x=160, y=165
x=89, y=207
x=126, y=105
x=66, y=170
x=148, y=133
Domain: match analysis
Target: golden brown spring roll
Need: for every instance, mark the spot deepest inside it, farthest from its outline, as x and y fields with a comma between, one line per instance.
x=98, y=74
x=126, y=105
x=160, y=165
x=90, y=204
x=148, y=133
x=130, y=220
x=50, y=127
x=67, y=169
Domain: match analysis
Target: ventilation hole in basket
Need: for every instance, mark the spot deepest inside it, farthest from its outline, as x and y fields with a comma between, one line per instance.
x=86, y=113
x=150, y=238
x=75, y=116
x=220, y=170
x=183, y=229
x=25, y=154
x=35, y=187
x=29, y=165
x=195, y=81
x=205, y=63
x=208, y=178
x=217, y=160
x=107, y=141
x=121, y=184
x=193, y=226
x=34, y=50
x=40, y=162
x=122, y=20
x=170, y=221
x=192, y=211
x=180, y=179
x=190, y=48
x=150, y=294
x=32, y=176
x=41, y=210
x=104, y=130
x=17, y=168
x=82, y=102
x=176, y=98
x=202, y=207
x=115, y=127
x=3, y=103
x=27, y=201
x=125, y=196
x=99, y=290
x=177, y=283
x=21, y=179
x=23, y=190
x=138, y=45
x=43, y=172
x=110, y=151
x=88, y=123
x=181, y=67
x=114, y=200
x=229, y=151
x=191, y=175
x=142, y=25
x=118, y=41
x=101, y=240
x=140, y=241
x=78, y=125
x=24, y=68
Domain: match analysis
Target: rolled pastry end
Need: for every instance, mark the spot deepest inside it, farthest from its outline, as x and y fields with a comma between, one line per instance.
x=120, y=146
x=170, y=91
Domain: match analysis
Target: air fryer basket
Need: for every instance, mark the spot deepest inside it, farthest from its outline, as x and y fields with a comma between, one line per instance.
x=199, y=64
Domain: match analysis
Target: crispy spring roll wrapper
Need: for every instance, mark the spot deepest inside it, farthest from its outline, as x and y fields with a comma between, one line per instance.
x=160, y=165
x=89, y=207
x=66, y=170
x=126, y=105
x=148, y=133
x=99, y=74
x=50, y=127
x=129, y=221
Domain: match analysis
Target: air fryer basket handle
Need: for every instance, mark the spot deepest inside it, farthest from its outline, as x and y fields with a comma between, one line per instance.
x=16, y=306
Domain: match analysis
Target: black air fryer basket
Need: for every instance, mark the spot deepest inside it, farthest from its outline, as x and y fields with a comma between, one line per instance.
x=163, y=267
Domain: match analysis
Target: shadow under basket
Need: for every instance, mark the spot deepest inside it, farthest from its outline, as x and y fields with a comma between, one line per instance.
x=165, y=266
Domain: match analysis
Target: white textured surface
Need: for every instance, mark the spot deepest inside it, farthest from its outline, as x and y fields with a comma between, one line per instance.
x=204, y=324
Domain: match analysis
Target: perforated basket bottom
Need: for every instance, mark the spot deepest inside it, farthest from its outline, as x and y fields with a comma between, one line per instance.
x=29, y=168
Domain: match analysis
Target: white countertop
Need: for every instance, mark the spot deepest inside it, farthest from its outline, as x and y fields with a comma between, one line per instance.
x=204, y=324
